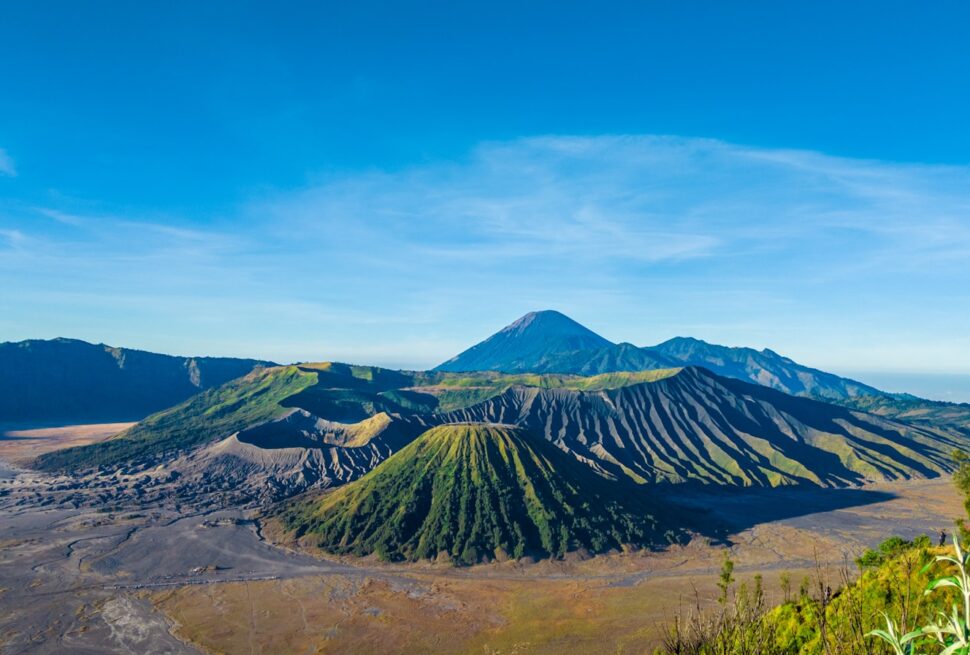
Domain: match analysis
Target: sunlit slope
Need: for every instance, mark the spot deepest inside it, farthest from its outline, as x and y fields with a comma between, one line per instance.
x=903, y=407
x=253, y=399
x=671, y=425
x=470, y=492
x=327, y=391
x=458, y=390
x=697, y=426
x=299, y=451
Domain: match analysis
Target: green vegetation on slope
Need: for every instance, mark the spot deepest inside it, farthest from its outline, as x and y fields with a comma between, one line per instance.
x=908, y=598
x=333, y=391
x=903, y=407
x=213, y=414
x=472, y=492
x=544, y=381
x=620, y=421
x=817, y=619
x=334, y=375
x=353, y=405
x=460, y=390
x=697, y=426
x=825, y=621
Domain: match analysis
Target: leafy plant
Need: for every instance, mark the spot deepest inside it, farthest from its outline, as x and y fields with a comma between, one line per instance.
x=736, y=627
x=949, y=633
x=901, y=644
x=725, y=579
x=961, y=478
x=890, y=549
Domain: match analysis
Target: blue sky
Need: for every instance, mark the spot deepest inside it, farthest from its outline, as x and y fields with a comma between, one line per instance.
x=391, y=182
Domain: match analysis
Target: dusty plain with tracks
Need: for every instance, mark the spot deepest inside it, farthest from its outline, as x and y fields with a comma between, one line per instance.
x=122, y=566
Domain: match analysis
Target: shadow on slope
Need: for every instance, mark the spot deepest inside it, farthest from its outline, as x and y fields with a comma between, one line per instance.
x=467, y=493
x=697, y=426
x=716, y=514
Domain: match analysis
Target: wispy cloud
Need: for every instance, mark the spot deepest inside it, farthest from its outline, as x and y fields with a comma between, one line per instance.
x=14, y=238
x=620, y=201
x=6, y=164
x=60, y=216
x=641, y=237
x=506, y=202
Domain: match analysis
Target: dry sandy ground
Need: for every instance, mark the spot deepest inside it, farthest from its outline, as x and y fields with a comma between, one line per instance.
x=443, y=613
x=18, y=446
x=89, y=580
x=614, y=604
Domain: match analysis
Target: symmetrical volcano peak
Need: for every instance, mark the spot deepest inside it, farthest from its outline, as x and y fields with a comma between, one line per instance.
x=527, y=343
x=550, y=324
x=549, y=342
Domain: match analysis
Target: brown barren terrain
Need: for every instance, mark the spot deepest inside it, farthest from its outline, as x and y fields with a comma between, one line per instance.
x=19, y=445
x=611, y=604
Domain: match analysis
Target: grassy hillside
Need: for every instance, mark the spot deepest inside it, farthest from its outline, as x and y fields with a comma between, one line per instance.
x=459, y=390
x=829, y=615
x=334, y=375
x=471, y=492
x=671, y=425
x=247, y=401
x=333, y=391
x=543, y=380
x=914, y=410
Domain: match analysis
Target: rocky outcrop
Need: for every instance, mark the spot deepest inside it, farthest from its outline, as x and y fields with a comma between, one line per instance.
x=296, y=453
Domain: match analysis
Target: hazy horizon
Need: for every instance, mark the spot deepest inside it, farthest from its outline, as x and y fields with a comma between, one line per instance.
x=946, y=387
x=270, y=201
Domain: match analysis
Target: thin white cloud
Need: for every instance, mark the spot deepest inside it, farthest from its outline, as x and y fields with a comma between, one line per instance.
x=121, y=237
x=13, y=237
x=642, y=237
x=7, y=166
x=60, y=216
x=639, y=199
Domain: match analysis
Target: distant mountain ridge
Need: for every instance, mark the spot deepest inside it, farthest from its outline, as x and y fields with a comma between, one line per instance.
x=516, y=349
x=73, y=381
x=667, y=426
x=764, y=367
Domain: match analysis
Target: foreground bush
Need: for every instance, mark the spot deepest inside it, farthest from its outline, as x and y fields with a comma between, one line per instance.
x=949, y=631
x=819, y=620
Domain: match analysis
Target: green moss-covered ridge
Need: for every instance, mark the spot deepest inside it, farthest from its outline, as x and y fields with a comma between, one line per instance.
x=472, y=492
